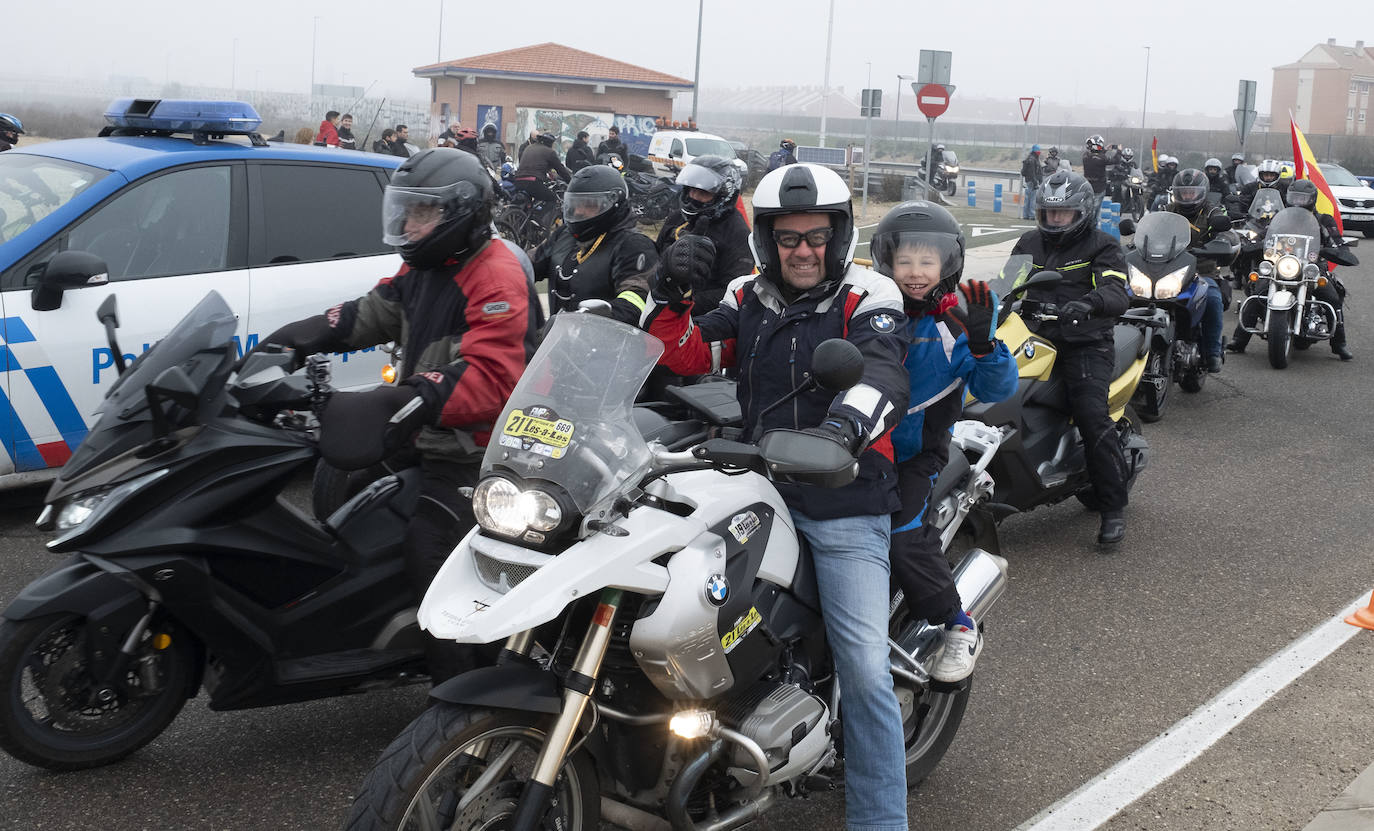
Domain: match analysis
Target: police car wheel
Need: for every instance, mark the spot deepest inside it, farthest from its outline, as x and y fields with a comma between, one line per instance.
x=56, y=714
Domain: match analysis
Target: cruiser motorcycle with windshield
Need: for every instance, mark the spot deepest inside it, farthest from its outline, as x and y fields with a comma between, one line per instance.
x=664, y=656
x=1281, y=307
x=184, y=566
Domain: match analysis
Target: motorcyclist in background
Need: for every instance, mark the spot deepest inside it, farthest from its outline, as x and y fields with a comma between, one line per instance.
x=1266, y=176
x=1162, y=181
x=490, y=149
x=708, y=213
x=596, y=254
x=1237, y=159
x=465, y=139
x=784, y=155
x=1217, y=181
x=1119, y=172
x=580, y=154
x=1052, y=161
x=1303, y=194
x=1188, y=198
x=921, y=247
x=11, y=128
x=1090, y=296
x=532, y=175
x=465, y=316
x=1095, y=163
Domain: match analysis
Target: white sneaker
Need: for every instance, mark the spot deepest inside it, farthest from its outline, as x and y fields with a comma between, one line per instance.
x=958, y=655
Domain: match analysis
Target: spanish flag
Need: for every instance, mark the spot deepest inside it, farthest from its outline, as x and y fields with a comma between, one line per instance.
x=1305, y=164
x=1154, y=152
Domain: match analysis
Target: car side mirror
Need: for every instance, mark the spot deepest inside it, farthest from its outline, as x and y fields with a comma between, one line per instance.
x=67, y=270
x=837, y=365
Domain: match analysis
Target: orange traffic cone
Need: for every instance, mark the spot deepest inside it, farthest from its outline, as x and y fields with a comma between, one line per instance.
x=1363, y=618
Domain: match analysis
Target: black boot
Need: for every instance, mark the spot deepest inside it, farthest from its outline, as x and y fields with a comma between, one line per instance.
x=1113, y=528
x=1239, y=340
x=1338, y=347
x=1214, y=363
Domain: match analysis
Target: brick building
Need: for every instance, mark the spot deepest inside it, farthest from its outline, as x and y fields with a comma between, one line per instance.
x=554, y=88
x=1327, y=90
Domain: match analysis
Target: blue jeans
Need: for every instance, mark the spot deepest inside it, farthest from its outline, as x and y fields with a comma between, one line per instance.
x=1211, y=319
x=1027, y=197
x=851, y=557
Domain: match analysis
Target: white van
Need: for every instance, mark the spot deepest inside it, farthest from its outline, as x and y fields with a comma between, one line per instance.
x=670, y=150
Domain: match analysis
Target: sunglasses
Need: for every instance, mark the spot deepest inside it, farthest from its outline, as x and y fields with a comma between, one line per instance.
x=816, y=237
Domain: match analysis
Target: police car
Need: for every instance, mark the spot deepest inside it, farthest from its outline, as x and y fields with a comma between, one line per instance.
x=176, y=197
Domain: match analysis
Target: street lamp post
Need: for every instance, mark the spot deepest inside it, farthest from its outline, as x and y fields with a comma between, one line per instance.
x=1145, y=100
x=897, y=118
x=314, y=41
x=696, y=76
x=439, y=49
x=234, y=70
x=825, y=83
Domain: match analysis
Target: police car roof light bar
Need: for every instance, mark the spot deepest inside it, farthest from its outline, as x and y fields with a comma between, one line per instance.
x=204, y=120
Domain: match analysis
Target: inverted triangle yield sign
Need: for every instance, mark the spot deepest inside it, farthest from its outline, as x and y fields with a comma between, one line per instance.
x=1026, y=105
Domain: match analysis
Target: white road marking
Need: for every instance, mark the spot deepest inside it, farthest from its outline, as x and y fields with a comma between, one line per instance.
x=1110, y=792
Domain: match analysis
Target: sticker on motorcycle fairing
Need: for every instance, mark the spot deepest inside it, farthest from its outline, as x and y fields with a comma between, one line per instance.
x=743, y=526
x=883, y=323
x=743, y=626
x=539, y=431
x=717, y=589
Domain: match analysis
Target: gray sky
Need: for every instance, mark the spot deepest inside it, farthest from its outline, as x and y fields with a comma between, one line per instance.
x=1067, y=52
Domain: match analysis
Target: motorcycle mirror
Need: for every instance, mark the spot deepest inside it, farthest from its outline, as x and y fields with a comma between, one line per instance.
x=108, y=315
x=1040, y=278
x=1127, y=227
x=595, y=307
x=837, y=365
x=1340, y=256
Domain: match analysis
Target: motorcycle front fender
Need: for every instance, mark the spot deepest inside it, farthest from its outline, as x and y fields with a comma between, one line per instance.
x=1282, y=300
x=507, y=686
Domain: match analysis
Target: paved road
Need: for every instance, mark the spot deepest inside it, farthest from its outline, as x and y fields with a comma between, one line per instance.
x=1252, y=525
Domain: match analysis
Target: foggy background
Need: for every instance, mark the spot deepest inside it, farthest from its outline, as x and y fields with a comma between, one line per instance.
x=1067, y=53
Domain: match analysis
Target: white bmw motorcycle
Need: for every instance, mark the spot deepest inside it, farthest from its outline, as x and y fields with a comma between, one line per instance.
x=664, y=661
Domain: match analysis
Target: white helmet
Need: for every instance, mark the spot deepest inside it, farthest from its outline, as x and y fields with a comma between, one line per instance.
x=803, y=188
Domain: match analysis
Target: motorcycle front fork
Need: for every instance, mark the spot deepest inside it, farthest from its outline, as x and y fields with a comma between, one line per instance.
x=577, y=691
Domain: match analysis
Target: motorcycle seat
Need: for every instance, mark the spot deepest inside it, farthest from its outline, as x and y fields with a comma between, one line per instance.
x=1129, y=340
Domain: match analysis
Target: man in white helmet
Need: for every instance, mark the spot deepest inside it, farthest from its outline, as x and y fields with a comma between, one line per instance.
x=768, y=325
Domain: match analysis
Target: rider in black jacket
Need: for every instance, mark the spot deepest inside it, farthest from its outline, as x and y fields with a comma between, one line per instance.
x=580, y=154
x=1188, y=198
x=1095, y=162
x=1090, y=296
x=709, y=207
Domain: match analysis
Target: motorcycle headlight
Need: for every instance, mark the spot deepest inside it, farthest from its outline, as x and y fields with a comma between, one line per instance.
x=85, y=511
x=78, y=510
x=1289, y=267
x=1265, y=268
x=954, y=168
x=1141, y=284
x=503, y=507
x=1170, y=284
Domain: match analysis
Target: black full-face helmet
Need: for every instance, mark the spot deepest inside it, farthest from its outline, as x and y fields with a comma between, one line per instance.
x=911, y=227
x=1188, y=193
x=810, y=189
x=716, y=175
x=11, y=128
x=597, y=200
x=442, y=187
x=1302, y=194
x=1064, y=191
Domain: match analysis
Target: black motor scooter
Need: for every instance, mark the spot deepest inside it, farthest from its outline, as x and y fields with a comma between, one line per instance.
x=185, y=565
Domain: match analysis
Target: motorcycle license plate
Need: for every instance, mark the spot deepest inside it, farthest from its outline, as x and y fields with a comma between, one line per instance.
x=540, y=431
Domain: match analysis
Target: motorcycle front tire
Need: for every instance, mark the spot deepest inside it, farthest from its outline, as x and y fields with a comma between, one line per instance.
x=1280, y=338
x=47, y=655
x=428, y=755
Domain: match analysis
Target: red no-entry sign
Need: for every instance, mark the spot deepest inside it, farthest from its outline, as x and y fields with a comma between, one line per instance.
x=932, y=100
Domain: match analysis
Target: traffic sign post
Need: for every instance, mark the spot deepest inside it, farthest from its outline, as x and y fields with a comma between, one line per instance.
x=932, y=100
x=1244, y=111
x=1027, y=104
x=870, y=107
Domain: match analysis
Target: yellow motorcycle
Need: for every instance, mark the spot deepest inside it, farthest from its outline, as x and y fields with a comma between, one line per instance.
x=1040, y=461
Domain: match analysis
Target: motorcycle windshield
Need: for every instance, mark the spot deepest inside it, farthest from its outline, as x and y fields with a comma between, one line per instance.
x=569, y=420
x=1162, y=235
x=201, y=337
x=950, y=159
x=1245, y=174
x=1293, y=231
x=1016, y=269
x=1267, y=203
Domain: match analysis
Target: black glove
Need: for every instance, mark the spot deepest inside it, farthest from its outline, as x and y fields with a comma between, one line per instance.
x=359, y=429
x=306, y=337
x=685, y=263
x=977, y=317
x=1075, y=312
x=842, y=430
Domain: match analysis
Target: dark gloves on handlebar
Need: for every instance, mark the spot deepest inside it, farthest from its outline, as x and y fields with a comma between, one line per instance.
x=306, y=337
x=1075, y=312
x=977, y=317
x=359, y=429
x=842, y=430
x=685, y=263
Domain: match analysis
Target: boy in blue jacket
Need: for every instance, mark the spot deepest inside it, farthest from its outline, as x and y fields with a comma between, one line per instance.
x=921, y=247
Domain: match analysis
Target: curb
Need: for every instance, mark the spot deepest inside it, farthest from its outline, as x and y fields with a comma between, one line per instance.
x=1353, y=810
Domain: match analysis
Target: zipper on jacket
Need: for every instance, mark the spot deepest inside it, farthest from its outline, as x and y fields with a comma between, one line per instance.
x=749, y=397
x=792, y=374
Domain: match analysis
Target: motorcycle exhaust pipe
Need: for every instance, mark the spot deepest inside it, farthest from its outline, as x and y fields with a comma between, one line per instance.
x=981, y=579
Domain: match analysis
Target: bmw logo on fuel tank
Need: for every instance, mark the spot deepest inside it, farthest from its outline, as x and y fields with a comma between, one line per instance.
x=717, y=589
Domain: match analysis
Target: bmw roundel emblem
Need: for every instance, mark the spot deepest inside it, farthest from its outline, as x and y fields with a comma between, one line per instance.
x=883, y=323
x=717, y=589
